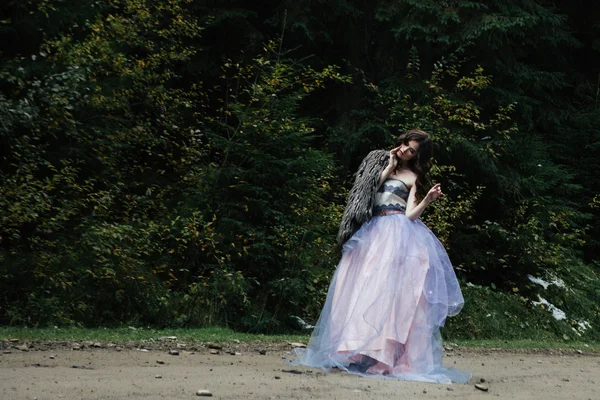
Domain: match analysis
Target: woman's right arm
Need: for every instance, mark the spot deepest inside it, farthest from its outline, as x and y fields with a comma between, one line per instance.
x=387, y=171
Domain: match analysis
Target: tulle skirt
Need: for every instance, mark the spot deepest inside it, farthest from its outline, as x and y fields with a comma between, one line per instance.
x=389, y=296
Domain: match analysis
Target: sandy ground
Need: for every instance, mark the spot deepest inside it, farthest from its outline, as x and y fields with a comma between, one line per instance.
x=258, y=371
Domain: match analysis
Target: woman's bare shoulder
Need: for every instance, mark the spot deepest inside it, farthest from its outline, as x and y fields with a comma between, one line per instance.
x=412, y=181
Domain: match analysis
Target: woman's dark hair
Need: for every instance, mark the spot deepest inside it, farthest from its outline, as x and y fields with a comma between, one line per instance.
x=420, y=164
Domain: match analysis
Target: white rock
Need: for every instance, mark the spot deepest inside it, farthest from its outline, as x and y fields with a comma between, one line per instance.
x=481, y=387
x=296, y=344
x=22, y=347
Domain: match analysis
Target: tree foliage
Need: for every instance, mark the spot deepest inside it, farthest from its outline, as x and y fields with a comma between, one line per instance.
x=178, y=162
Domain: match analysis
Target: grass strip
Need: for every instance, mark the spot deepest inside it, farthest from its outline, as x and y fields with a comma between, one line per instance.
x=527, y=344
x=140, y=334
x=222, y=335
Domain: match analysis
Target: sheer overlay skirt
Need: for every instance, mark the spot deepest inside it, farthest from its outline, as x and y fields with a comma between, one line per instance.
x=392, y=291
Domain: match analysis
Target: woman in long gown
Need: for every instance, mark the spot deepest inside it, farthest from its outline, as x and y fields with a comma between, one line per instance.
x=394, y=286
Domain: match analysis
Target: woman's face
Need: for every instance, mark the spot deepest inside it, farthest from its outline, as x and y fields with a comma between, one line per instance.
x=408, y=151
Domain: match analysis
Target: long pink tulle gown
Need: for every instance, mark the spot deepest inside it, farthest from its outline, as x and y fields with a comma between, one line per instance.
x=389, y=296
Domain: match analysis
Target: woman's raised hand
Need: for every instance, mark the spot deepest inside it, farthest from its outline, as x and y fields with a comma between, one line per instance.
x=393, y=162
x=434, y=193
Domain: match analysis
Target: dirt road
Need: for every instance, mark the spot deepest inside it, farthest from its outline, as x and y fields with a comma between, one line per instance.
x=56, y=371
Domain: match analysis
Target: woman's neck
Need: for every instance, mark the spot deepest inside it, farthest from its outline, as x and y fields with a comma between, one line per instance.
x=402, y=166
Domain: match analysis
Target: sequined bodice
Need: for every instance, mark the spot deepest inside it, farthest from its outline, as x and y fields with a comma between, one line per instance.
x=392, y=195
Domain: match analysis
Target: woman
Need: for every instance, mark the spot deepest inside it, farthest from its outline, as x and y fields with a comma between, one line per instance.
x=394, y=286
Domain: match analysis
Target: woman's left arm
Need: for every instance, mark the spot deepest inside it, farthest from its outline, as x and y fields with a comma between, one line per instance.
x=413, y=210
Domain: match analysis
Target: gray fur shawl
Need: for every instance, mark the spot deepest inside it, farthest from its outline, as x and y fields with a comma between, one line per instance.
x=359, y=208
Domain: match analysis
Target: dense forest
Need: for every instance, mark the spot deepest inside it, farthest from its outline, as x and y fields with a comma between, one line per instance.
x=186, y=163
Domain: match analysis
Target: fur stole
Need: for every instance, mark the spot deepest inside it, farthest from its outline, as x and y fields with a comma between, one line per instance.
x=359, y=208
